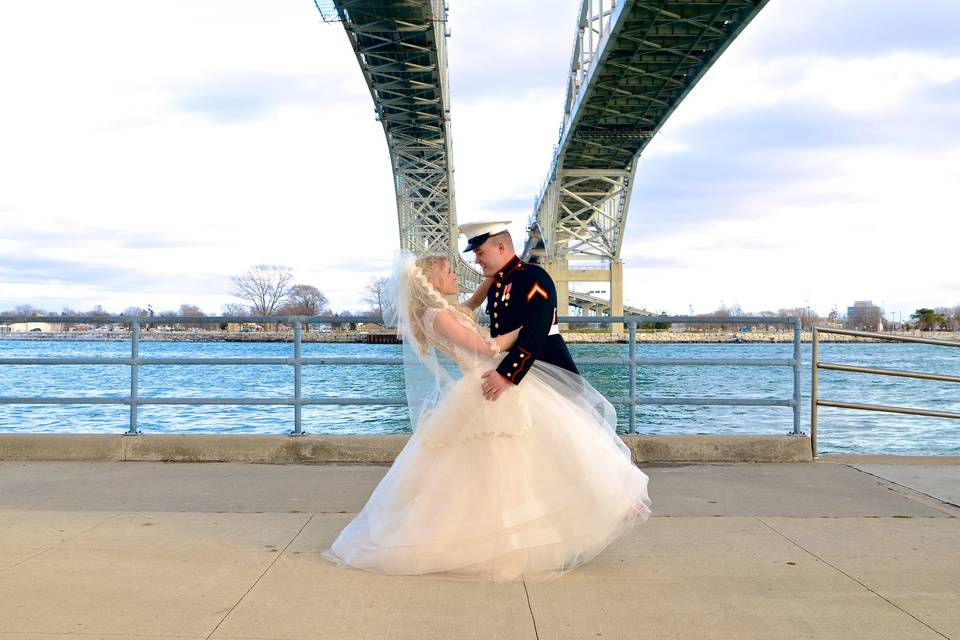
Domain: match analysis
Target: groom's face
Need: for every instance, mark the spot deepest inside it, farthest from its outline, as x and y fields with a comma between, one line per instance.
x=491, y=255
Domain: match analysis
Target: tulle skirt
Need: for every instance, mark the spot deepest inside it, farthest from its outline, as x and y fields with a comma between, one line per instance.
x=529, y=486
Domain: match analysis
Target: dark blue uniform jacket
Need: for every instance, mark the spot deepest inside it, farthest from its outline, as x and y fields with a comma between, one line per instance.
x=523, y=295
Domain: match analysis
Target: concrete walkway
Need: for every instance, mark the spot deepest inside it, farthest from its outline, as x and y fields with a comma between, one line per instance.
x=225, y=550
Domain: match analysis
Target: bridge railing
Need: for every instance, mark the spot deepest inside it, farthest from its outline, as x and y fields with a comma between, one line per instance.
x=297, y=361
x=817, y=365
x=328, y=10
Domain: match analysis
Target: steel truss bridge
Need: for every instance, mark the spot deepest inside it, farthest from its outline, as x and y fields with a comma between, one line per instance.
x=633, y=62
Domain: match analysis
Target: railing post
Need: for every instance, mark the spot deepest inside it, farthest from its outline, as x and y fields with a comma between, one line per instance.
x=632, y=423
x=814, y=390
x=134, y=375
x=297, y=371
x=797, y=327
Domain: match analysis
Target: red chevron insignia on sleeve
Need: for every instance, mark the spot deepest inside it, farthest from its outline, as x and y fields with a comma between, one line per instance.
x=537, y=289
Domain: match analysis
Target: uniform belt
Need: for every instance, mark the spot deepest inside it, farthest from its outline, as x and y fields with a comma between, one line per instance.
x=554, y=330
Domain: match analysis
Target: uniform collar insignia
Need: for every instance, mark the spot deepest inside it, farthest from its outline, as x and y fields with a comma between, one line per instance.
x=515, y=263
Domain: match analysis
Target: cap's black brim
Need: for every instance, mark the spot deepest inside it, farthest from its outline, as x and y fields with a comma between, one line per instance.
x=476, y=241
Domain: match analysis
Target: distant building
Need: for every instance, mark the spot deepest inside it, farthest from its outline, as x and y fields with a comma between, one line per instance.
x=26, y=327
x=864, y=315
x=243, y=327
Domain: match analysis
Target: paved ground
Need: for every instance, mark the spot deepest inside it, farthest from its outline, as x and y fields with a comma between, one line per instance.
x=153, y=550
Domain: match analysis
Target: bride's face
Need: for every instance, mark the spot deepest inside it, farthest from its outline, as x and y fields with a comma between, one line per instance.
x=444, y=279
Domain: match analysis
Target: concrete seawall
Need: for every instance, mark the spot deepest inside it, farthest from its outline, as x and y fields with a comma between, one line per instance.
x=346, y=449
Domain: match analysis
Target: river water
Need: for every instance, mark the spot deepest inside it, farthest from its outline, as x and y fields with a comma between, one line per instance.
x=841, y=430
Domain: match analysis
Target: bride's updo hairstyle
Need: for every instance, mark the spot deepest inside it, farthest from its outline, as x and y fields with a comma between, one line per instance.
x=424, y=295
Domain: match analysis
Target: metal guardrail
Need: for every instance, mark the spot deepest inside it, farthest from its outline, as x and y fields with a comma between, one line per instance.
x=815, y=400
x=297, y=362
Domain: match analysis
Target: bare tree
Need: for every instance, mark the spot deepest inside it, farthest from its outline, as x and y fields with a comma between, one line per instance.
x=863, y=315
x=722, y=312
x=264, y=286
x=374, y=294
x=340, y=326
x=192, y=311
x=27, y=310
x=808, y=317
x=305, y=300
x=235, y=309
x=767, y=327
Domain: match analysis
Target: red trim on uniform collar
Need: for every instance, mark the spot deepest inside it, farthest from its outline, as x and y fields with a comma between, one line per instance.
x=515, y=263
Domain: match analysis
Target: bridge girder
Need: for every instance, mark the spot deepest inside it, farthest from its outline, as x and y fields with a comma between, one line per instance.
x=400, y=46
x=633, y=62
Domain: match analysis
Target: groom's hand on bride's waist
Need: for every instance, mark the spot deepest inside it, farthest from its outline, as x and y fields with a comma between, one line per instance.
x=493, y=385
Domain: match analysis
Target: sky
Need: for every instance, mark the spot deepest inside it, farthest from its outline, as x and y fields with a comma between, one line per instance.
x=148, y=152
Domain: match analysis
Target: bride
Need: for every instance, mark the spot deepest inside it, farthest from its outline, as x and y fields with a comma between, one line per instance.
x=525, y=487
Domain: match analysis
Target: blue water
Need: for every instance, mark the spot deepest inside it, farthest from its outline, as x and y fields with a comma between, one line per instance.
x=841, y=431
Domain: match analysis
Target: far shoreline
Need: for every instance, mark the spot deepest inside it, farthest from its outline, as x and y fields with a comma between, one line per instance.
x=358, y=337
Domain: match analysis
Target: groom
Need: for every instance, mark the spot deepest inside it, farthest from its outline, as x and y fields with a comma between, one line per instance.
x=522, y=295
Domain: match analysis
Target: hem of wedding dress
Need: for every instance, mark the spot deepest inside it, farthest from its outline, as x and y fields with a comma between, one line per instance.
x=558, y=500
x=463, y=573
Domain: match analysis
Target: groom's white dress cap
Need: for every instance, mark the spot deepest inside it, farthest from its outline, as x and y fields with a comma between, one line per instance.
x=478, y=232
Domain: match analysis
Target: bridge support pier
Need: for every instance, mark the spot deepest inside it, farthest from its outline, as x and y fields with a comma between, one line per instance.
x=559, y=269
x=616, y=295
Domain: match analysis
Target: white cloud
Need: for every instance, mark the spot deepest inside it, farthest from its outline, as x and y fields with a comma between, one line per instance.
x=498, y=157
x=862, y=85
x=242, y=132
x=101, y=143
x=882, y=229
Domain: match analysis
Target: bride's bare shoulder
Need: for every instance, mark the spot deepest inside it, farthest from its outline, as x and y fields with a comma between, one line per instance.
x=440, y=318
x=447, y=321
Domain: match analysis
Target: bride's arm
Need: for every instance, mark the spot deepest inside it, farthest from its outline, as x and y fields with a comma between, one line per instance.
x=446, y=326
x=480, y=294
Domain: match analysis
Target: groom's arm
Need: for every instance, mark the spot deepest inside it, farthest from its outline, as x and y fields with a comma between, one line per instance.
x=540, y=300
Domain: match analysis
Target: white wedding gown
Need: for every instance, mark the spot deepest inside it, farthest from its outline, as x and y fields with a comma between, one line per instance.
x=528, y=486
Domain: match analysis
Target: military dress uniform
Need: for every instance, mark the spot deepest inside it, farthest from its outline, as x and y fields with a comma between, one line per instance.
x=523, y=295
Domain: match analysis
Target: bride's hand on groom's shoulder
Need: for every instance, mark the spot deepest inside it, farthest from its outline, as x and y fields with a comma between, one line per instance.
x=480, y=294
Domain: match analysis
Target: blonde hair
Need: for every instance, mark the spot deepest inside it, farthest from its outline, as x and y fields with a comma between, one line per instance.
x=423, y=296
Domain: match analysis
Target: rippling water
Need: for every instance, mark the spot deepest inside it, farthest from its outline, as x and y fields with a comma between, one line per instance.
x=841, y=431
